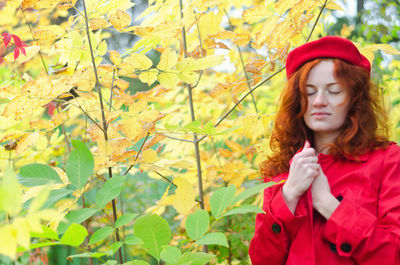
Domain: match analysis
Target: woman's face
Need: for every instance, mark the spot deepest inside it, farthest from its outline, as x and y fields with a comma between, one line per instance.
x=328, y=102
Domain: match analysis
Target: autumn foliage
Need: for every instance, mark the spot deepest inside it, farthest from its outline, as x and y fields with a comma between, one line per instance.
x=87, y=117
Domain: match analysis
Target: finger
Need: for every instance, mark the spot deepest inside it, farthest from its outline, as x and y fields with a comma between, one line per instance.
x=307, y=152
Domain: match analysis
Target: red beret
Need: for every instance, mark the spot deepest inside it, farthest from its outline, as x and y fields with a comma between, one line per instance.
x=326, y=47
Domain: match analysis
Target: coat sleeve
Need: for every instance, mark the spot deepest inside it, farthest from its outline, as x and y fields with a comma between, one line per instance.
x=275, y=229
x=359, y=234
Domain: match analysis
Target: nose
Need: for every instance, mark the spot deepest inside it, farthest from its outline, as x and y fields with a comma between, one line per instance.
x=319, y=99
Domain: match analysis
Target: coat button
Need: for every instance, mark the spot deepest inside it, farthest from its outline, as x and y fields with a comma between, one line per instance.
x=276, y=228
x=345, y=247
x=333, y=247
x=339, y=198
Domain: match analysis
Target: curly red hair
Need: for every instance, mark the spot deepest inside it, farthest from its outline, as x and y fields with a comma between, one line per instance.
x=364, y=129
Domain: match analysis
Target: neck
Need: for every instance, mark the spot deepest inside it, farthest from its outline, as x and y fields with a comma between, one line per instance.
x=321, y=142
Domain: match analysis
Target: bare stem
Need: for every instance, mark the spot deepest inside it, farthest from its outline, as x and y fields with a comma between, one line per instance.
x=196, y=142
x=243, y=66
x=85, y=224
x=117, y=237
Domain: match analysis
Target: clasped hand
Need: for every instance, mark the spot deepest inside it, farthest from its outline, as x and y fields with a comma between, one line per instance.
x=304, y=172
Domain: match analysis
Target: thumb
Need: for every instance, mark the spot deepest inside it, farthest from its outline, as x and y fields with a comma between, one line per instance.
x=306, y=144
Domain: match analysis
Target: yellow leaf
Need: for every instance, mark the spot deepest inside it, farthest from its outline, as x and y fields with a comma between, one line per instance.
x=334, y=6
x=149, y=156
x=23, y=237
x=39, y=200
x=115, y=57
x=30, y=52
x=84, y=79
x=10, y=193
x=256, y=14
x=184, y=198
x=138, y=61
x=26, y=142
x=189, y=77
x=149, y=77
x=8, y=242
x=168, y=80
x=346, y=30
x=368, y=51
x=235, y=147
x=98, y=23
x=207, y=62
x=120, y=19
x=168, y=60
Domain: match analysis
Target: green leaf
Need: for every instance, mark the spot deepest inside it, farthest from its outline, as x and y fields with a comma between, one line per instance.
x=111, y=189
x=38, y=245
x=217, y=238
x=80, y=215
x=195, y=258
x=154, y=231
x=244, y=209
x=115, y=246
x=47, y=232
x=133, y=240
x=197, y=224
x=137, y=262
x=89, y=255
x=221, y=199
x=171, y=254
x=80, y=164
x=10, y=193
x=38, y=174
x=74, y=236
x=124, y=219
x=101, y=234
x=253, y=191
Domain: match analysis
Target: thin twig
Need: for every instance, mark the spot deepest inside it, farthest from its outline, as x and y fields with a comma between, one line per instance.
x=179, y=139
x=317, y=19
x=242, y=98
x=167, y=179
x=243, y=65
x=33, y=37
x=137, y=155
x=64, y=132
x=111, y=92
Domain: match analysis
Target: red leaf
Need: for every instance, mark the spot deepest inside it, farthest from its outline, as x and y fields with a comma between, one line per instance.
x=17, y=40
x=23, y=50
x=16, y=53
x=6, y=38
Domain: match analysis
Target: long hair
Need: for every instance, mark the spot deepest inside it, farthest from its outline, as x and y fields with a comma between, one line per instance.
x=365, y=128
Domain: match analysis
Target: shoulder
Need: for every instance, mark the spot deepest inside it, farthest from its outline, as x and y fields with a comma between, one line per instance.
x=393, y=149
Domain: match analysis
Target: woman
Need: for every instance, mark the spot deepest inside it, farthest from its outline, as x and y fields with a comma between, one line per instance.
x=340, y=201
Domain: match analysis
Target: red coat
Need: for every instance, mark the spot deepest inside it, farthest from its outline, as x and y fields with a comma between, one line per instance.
x=364, y=229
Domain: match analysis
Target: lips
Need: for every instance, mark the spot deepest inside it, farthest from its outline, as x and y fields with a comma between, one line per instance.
x=320, y=113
